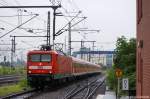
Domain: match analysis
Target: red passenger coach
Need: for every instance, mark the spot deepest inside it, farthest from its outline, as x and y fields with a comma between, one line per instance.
x=44, y=67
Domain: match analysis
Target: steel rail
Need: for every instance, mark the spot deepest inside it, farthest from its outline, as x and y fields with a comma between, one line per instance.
x=69, y=96
x=88, y=94
x=19, y=94
x=9, y=79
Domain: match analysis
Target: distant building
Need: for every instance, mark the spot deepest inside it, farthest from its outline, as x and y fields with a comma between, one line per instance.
x=109, y=60
x=104, y=58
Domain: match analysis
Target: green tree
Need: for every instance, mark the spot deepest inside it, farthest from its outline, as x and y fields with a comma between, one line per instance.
x=125, y=59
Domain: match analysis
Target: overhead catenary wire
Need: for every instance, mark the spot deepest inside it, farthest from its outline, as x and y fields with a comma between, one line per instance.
x=17, y=15
x=59, y=10
x=4, y=1
x=18, y=3
x=71, y=26
x=74, y=5
x=6, y=4
x=58, y=33
x=69, y=15
x=23, y=28
x=18, y=26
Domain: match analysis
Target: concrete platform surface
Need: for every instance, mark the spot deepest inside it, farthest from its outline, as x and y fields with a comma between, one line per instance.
x=109, y=95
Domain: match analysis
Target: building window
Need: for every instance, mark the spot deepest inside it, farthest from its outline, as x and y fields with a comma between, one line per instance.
x=139, y=11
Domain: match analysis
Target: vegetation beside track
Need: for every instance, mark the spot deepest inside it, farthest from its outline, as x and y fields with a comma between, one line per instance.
x=5, y=70
x=15, y=88
x=125, y=59
x=5, y=90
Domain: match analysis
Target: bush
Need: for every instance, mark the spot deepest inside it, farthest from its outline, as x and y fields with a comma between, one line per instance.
x=23, y=83
x=111, y=79
x=125, y=59
x=9, y=71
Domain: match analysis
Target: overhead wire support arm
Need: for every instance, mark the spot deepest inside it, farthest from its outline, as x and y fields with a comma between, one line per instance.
x=30, y=6
x=60, y=31
x=82, y=45
x=18, y=26
x=78, y=21
x=28, y=36
x=72, y=16
x=48, y=30
x=83, y=41
x=85, y=30
x=72, y=26
x=16, y=15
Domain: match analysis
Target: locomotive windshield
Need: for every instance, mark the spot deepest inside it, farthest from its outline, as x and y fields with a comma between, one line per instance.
x=40, y=58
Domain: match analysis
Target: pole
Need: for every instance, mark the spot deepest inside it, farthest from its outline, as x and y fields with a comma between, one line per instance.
x=93, y=46
x=69, y=39
x=82, y=45
x=65, y=45
x=11, y=64
x=93, y=50
x=118, y=87
x=89, y=55
x=54, y=23
x=116, y=92
x=81, y=49
x=14, y=45
x=48, y=29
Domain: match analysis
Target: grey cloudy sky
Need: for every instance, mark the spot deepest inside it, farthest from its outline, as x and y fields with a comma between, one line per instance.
x=114, y=18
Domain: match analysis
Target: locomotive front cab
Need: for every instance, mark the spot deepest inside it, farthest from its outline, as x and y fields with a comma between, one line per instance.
x=40, y=66
x=39, y=63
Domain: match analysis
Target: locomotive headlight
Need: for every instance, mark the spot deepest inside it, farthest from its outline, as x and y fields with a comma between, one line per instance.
x=29, y=71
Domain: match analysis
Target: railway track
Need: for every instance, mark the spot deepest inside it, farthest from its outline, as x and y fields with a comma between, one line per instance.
x=85, y=91
x=7, y=79
x=66, y=90
x=21, y=95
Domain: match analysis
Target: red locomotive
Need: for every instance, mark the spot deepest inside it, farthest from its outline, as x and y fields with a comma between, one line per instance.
x=44, y=67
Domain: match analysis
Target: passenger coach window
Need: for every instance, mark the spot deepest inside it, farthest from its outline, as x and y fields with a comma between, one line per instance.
x=45, y=58
x=35, y=58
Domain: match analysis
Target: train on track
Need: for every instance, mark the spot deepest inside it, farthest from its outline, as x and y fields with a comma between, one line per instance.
x=46, y=67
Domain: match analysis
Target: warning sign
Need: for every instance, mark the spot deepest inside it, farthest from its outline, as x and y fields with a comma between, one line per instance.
x=118, y=72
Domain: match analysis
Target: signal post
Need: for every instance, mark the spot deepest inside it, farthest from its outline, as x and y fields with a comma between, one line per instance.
x=118, y=73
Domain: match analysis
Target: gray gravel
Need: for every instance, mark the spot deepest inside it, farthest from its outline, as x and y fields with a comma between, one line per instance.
x=60, y=93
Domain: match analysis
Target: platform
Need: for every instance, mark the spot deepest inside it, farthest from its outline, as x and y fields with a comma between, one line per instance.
x=104, y=93
x=109, y=95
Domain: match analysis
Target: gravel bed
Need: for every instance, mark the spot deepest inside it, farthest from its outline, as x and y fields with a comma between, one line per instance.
x=60, y=91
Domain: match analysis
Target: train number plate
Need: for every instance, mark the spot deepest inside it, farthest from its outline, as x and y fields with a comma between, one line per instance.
x=40, y=67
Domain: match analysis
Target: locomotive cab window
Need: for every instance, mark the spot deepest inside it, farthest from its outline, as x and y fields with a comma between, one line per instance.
x=35, y=58
x=45, y=58
x=40, y=58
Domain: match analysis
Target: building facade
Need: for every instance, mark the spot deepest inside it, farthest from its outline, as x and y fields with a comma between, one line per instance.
x=104, y=58
x=143, y=49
